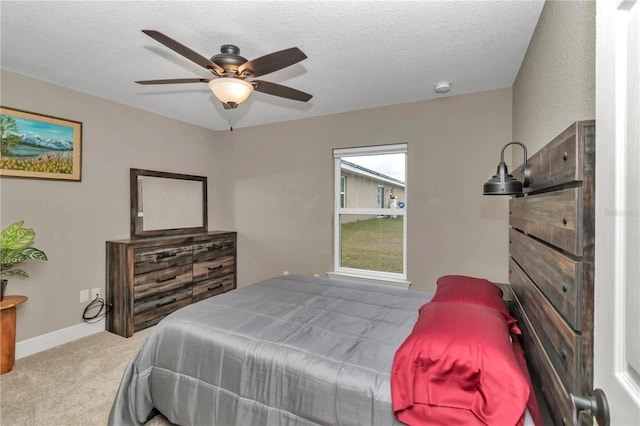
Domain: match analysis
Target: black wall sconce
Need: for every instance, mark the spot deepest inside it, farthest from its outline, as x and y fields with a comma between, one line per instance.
x=502, y=183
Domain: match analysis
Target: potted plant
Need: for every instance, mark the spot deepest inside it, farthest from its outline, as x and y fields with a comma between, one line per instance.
x=15, y=248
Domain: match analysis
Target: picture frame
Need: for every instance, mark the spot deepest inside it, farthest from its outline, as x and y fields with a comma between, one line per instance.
x=39, y=146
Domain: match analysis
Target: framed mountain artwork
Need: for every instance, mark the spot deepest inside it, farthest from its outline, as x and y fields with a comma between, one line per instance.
x=39, y=146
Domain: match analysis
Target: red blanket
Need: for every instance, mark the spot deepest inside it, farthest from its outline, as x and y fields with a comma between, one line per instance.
x=458, y=367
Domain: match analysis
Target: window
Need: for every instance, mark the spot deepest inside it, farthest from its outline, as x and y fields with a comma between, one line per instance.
x=370, y=212
x=380, y=196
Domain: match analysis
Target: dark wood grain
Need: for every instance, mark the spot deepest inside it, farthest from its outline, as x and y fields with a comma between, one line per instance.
x=213, y=268
x=119, y=288
x=214, y=286
x=559, y=277
x=552, y=388
x=552, y=265
x=154, y=257
x=161, y=306
x=149, y=278
x=161, y=281
x=561, y=160
x=559, y=341
x=551, y=216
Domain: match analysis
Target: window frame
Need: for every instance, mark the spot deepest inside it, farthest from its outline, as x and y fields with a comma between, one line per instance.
x=386, y=278
x=380, y=196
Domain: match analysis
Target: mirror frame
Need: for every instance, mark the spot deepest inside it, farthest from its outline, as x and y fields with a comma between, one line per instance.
x=138, y=231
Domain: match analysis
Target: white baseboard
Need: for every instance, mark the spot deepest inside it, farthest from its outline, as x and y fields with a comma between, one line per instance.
x=55, y=338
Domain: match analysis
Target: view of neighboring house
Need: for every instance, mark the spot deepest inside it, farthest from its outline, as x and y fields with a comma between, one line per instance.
x=364, y=188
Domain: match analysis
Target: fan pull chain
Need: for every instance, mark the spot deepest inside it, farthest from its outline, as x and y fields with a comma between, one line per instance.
x=230, y=126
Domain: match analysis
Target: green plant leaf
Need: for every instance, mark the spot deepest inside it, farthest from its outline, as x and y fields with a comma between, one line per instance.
x=15, y=237
x=15, y=242
x=14, y=257
x=19, y=272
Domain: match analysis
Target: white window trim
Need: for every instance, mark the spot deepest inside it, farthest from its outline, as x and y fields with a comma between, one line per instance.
x=377, y=277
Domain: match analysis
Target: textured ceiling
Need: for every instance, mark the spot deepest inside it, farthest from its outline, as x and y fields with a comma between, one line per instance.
x=360, y=54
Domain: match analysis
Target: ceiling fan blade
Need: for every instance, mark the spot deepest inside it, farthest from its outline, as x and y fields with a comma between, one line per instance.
x=279, y=90
x=185, y=51
x=272, y=62
x=175, y=81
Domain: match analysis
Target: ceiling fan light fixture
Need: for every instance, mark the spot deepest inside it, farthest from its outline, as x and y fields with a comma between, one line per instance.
x=230, y=90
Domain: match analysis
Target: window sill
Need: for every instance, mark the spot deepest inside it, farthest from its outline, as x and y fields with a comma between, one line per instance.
x=385, y=282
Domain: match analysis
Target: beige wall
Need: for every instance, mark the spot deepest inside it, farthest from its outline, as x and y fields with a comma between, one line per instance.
x=556, y=82
x=282, y=193
x=73, y=220
x=273, y=184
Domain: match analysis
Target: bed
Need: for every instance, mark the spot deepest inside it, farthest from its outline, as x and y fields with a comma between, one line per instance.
x=297, y=350
x=294, y=350
x=300, y=350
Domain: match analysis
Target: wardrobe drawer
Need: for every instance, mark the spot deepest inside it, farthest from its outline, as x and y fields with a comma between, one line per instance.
x=150, y=311
x=213, y=268
x=148, y=259
x=161, y=281
x=214, y=249
x=211, y=287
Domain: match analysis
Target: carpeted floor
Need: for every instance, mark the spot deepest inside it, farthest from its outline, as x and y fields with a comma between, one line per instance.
x=72, y=384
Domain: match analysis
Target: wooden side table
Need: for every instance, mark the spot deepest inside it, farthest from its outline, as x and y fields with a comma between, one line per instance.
x=8, y=329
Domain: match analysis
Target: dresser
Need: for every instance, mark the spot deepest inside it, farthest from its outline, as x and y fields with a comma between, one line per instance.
x=148, y=278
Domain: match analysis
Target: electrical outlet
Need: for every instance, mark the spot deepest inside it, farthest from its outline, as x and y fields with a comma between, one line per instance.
x=285, y=272
x=316, y=275
x=84, y=296
x=95, y=293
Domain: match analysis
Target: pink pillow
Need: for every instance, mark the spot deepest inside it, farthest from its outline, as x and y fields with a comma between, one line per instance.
x=477, y=291
x=458, y=365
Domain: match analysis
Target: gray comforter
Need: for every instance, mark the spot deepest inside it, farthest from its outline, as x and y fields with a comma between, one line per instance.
x=292, y=350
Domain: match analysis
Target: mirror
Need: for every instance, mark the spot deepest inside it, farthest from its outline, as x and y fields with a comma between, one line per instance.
x=165, y=203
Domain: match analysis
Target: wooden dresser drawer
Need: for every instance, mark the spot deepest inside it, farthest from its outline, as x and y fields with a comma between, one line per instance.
x=148, y=278
x=214, y=249
x=213, y=268
x=148, y=259
x=161, y=281
x=152, y=310
x=213, y=286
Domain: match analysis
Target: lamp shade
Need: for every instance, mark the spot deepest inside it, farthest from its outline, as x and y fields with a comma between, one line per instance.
x=230, y=90
x=502, y=183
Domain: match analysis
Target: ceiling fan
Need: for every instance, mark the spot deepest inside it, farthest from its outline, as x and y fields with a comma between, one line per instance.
x=230, y=71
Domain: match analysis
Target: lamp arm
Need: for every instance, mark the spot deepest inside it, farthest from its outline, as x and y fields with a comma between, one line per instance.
x=525, y=168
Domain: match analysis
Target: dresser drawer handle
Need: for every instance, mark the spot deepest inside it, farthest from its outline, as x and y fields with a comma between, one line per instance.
x=214, y=287
x=160, y=305
x=219, y=247
x=213, y=268
x=167, y=279
x=165, y=255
